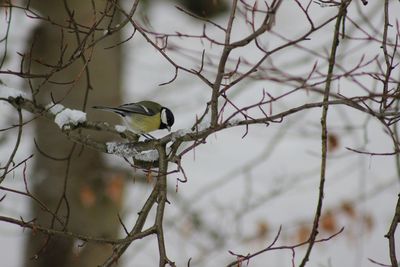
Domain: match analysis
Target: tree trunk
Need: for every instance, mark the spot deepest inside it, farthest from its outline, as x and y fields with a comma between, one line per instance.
x=73, y=182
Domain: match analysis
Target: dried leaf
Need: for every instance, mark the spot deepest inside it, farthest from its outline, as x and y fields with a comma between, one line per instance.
x=114, y=189
x=149, y=177
x=87, y=196
x=333, y=142
x=368, y=221
x=348, y=209
x=303, y=233
x=328, y=222
x=262, y=229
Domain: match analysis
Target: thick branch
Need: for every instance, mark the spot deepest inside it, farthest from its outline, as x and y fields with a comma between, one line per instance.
x=324, y=134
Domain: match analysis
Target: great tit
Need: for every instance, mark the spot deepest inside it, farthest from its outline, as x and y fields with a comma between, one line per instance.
x=144, y=116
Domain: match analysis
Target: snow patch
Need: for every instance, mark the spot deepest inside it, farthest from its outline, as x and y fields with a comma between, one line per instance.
x=69, y=116
x=55, y=108
x=148, y=155
x=125, y=150
x=234, y=122
x=6, y=92
x=120, y=128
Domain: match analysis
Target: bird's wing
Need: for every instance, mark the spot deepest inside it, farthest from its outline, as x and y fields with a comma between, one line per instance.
x=136, y=108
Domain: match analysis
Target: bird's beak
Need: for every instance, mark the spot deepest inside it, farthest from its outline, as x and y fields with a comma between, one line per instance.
x=169, y=128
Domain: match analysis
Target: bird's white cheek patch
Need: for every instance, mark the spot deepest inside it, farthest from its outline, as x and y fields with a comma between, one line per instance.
x=164, y=117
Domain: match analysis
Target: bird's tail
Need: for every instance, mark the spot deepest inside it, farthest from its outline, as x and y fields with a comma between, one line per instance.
x=116, y=110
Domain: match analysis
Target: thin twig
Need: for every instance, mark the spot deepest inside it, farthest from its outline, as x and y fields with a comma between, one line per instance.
x=391, y=234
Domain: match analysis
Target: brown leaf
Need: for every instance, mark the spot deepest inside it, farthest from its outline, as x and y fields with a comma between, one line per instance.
x=262, y=229
x=348, y=209
x=303, y=233
x=87, y=196
x=328, y=222
x=114, y=189
x=368, y=221
x=333, y=142
x=149, y=177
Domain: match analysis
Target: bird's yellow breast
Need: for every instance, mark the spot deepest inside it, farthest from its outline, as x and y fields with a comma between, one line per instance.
x=145, y=124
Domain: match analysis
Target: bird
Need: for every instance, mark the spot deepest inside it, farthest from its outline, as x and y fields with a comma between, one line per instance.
x=144, y=116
